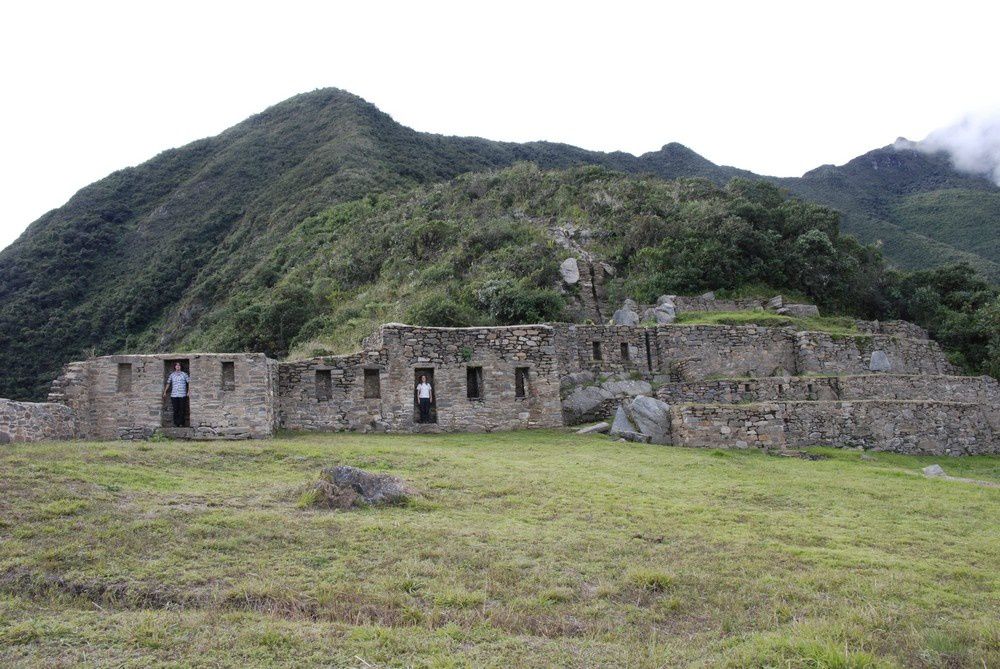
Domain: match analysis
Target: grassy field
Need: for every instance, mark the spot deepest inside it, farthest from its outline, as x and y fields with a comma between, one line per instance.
x=525, y=549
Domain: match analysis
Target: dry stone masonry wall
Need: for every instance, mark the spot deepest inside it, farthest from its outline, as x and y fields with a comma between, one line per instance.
x=34, y=421
x=887, y=387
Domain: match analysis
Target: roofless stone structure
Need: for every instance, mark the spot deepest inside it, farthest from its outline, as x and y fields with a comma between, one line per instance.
x=888, y=387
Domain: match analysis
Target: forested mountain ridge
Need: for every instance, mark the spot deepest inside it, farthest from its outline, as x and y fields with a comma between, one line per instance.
x=160, y=255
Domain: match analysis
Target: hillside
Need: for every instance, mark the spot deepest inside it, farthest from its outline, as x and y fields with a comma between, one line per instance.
x=181, y=250
x=525, y=549
x=923, y=212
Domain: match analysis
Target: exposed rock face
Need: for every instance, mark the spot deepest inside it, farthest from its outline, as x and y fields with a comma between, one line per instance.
x=345, y=487
x=879, y=362
x=570, y=271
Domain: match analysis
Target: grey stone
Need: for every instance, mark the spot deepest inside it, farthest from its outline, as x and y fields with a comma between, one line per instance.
x=570, y=270
x=628, y=387
x=622, y=423
x=576, y=379
x=629, y=303
x=651, y=418
x=625, y=316
x=601, y=427
x=782, y=372
x=776, y=302
x=345, y=487
x=664, y=314
x=635, y=436
x=799, y=310
x=710, y=295
x=585, y=400
x=934, y=470
x=879, y=362
x=665, y=300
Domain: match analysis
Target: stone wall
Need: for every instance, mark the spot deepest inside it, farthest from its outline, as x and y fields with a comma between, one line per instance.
x=305, y=405
x=971, y=389
x=695, y=352
x=34, y=421
x=120, y=396
x=598, y=349
x=914, y=427
x=728, y=425
x=892, y=328
x=449, y=353
x=823, y=353
x=919, y=427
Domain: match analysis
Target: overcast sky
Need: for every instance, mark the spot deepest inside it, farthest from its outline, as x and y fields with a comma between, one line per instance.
x=774, y=87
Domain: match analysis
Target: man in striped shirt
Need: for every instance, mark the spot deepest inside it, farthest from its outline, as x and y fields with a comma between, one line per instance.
x=177, y=383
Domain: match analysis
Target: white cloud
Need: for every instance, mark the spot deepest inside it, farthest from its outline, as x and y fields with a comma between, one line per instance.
x=972, y=143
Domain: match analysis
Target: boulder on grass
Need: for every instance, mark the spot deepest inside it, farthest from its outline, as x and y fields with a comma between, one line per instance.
x=345, y=487
x=934, y=470
x=643, y=419
x=652, y=418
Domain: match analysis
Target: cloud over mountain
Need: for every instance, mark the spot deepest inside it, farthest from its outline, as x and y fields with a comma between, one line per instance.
x=973, y=143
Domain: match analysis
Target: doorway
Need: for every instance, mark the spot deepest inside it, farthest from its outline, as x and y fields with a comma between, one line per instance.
x=167, y=410
x=432, y=414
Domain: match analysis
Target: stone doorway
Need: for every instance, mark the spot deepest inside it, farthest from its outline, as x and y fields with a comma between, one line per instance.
x=167, y=410
x=429, y=373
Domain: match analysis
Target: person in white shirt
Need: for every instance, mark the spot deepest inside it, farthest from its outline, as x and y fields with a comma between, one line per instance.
x=177, y=384
x=425, y=395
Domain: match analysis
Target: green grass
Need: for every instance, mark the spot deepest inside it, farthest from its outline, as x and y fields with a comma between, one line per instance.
x=525, y=549
x=841, y=325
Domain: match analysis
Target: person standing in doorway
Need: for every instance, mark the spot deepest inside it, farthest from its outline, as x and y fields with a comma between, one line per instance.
x=425, y=395
x=177, y=384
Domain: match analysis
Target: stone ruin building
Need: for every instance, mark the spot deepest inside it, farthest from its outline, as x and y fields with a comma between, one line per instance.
x=887, y=387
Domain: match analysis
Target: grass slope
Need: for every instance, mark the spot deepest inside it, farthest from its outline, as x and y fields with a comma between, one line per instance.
x=527, y=549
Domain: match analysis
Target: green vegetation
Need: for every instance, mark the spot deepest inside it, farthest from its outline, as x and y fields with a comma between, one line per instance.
x=525, y=549
x=917, y=207
x=221, y=243
x=833, y=324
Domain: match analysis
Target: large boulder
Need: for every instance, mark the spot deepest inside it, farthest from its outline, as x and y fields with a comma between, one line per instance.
x=666, y=299
x=625, y=316
x=652, y=418
x=665, y=313
x=775, y=302
x=879, y=362
x=576, y=379
x=344, y=487
x=645, y=416
x=583, y=402
x=570, y=270
x=622, y=423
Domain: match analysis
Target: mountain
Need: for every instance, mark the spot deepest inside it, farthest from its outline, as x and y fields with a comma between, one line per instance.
x=149, y=257
x=923, y=211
